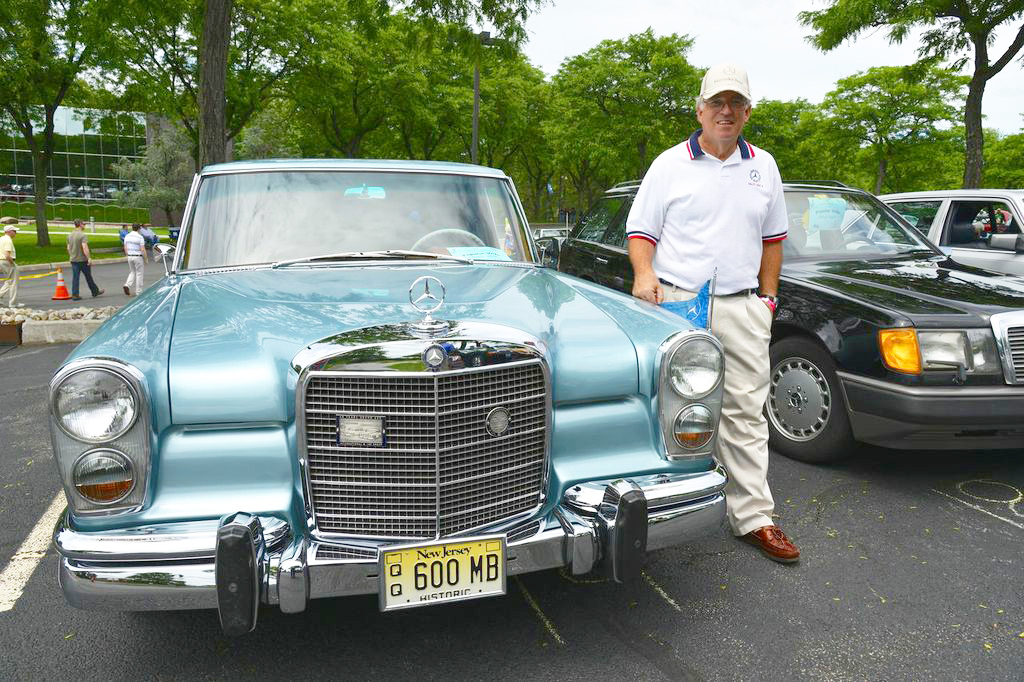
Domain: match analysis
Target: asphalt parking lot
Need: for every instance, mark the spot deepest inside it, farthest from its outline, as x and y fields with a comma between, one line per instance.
x=911, y=570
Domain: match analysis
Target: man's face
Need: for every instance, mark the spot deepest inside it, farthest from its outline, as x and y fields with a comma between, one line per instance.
x=723, y=116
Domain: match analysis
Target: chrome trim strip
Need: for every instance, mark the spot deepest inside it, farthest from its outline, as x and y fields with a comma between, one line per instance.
x=994, y=392
x=158, y=542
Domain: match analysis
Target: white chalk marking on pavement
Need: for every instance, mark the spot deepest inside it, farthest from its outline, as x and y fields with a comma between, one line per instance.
x=977, y=508
x=548, y=625
x=23, y=564
x=23, y=354
x=661, y=593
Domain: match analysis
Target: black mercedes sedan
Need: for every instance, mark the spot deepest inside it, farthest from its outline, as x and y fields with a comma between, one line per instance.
x=878, y=337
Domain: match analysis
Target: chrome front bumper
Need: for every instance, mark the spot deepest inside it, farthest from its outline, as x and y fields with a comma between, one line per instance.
x=601, y=525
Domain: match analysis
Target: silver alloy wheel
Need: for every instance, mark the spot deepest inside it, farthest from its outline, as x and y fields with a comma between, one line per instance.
x=799, y=399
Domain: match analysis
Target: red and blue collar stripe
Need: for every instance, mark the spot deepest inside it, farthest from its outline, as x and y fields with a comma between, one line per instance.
x=693, y=147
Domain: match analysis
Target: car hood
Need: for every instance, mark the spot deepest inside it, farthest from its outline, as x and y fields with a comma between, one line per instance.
x=921, y=288
x=236, y=333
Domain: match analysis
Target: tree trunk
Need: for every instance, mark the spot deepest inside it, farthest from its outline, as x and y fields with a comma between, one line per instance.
x=975, y=152
x=39, y=164
x=213, y=68
x=883, y=164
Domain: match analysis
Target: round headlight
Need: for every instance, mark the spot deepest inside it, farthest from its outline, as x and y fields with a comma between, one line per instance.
x=94, y=405
x=694, y=426
x=694, y=368
x=103, y=476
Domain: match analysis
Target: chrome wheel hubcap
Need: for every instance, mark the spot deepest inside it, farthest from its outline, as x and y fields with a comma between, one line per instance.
x=799, y=399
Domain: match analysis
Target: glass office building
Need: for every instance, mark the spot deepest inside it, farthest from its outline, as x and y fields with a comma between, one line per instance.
x=79, y=178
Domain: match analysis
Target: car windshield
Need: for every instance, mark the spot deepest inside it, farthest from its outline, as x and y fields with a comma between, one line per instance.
x=269, y=217
x=832, y=224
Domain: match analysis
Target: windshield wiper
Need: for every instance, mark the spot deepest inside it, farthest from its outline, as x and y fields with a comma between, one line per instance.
x=391, y=254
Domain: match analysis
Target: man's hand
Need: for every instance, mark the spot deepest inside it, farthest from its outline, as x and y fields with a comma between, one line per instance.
x=648, y=288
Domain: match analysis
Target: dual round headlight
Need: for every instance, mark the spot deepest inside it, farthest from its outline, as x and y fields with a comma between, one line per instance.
x=95, y=405
x=695, y=368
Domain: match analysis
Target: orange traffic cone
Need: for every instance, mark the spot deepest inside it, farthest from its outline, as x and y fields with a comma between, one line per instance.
x=61, y=294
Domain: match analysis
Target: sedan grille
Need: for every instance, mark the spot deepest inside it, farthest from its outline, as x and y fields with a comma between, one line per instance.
x=439, y=470
x=1015, y=348
x=1009, y=331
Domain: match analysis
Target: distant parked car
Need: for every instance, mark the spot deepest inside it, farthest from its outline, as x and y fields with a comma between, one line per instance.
x=979, y=227
x=878, y=338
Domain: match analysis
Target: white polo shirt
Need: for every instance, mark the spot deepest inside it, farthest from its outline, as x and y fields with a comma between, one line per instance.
x=134, y=244
x=702, y=213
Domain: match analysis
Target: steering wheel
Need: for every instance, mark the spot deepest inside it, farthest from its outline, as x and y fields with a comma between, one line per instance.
x=456, y=232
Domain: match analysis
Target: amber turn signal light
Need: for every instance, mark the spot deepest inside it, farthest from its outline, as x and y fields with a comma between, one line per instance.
x=900, y=351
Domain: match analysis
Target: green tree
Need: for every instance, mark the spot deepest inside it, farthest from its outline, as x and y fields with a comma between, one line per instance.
x=889, y=109
x=161, y=178
x=622, y=103
x=955, y=29
x=44, y=46
x=1005, y=165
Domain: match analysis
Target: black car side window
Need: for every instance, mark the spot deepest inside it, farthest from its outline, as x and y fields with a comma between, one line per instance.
x=616, y=233
x=592, y=226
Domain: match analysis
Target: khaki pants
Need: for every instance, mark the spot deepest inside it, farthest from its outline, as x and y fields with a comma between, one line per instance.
x=11, y=285
x=743, y=325
x=136, y=268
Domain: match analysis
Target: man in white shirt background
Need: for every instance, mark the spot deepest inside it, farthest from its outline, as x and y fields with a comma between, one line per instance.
x=135, y=250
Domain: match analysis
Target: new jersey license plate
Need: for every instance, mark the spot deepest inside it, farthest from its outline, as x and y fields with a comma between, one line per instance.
x=435, y=573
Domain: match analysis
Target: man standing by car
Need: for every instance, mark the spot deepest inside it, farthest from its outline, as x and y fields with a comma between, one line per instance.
x=81, y=261
x=714, y=204
x=9, y=266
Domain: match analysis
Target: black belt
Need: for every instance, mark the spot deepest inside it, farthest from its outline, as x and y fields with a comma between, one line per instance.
x=741, y=292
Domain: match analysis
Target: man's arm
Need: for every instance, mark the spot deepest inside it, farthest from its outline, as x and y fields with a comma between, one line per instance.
x=85, y=251
x=645, y=282
x=771, y=265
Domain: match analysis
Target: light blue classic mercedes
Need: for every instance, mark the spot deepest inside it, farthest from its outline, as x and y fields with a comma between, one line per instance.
x=358, y=379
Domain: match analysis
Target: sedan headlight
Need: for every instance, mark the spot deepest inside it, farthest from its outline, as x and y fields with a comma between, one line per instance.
x=100, y=427
x=913, y=351
x=691, y=370
x=695, y=368
x=94, y=405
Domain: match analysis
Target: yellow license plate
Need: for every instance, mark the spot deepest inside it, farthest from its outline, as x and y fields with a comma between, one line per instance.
x=435, y=573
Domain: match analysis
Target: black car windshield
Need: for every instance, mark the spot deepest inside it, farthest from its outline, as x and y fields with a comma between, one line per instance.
x=824, y=224
x=268, y=217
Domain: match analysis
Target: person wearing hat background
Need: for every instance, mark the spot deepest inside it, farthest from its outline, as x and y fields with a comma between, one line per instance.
x=713, y=206
x=9, y=266
x=81, y=261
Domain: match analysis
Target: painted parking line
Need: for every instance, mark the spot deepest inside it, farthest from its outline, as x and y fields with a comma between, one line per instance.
x=660, y=591
x=548, y=625
x=24, y=562
x=979, y=508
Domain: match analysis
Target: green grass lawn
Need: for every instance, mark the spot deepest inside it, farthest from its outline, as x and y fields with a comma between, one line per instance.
x=100, y=242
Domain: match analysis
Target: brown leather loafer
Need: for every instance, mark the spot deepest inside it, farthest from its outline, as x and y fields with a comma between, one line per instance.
x=773, y=543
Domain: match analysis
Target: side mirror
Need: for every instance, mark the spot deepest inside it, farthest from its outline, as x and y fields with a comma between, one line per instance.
x=548, y=248
x=165, y=251
x=1007, y=242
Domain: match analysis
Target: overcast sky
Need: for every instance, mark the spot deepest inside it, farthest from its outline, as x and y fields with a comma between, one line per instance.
x=763, y=36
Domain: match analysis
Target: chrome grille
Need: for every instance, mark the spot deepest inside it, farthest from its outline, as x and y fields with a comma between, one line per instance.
x=1015, y=348
x=439, y=471
x=1009, y=331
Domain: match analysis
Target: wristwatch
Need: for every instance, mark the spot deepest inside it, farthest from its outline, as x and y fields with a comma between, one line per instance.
x=771, y=301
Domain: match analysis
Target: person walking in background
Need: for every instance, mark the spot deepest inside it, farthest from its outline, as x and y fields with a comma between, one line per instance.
x=9, y=266
x=715, y=203
x=151, y=239
x=135, y=250
x=81, y=261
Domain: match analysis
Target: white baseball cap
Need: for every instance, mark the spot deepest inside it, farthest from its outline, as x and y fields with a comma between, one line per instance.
x=10, y=228
x=722, y=77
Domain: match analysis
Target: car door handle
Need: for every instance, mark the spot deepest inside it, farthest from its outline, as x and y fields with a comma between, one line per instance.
x=602, y=261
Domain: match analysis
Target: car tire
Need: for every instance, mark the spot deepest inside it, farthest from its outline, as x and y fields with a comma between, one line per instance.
x=806, y=412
